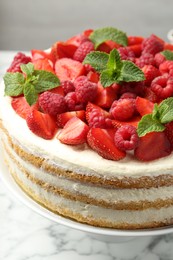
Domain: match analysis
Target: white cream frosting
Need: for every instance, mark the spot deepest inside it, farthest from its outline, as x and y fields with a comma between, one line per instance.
x=78, y=158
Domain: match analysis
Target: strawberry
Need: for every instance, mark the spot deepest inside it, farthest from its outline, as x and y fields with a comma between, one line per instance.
x=21, y=106
x=102, y=141
x=153, y=145
x=63, y=118
x=62, y=50
x=43, y=64
x=39, y=54
x=106, y=97
x=107, y=46
x=136, y=48
x=144, y=106
x=93, y=76
x=74, y=132
x=58, y=90
x=169, y=132
x=168, y=46
x=134, y=122
x=68, y=69
x=41, y=124
x=133, y=40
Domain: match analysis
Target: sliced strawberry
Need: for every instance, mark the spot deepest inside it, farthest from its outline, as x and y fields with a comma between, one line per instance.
x=58, y=90
x=150, y=95
x=41, y=124
x=68, y=69
x=74, y=132
x=62, y=50
x=168, y=46
x=133, y=40
x=153, y=146
x=144, y=106
x=136, y=48
x=87, y=32
x=106, y=97
x=21, y=106
x=102, y=141
x=76, y=40
x=93, y=76
x=43, y=64
x=109, y=45
x=63, y=118
x=134, y=122
x=39, y=54
x=169, y=132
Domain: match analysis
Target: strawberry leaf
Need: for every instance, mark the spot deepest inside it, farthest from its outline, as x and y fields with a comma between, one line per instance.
x=98, y=60
x=108, y=33
x=13, y=83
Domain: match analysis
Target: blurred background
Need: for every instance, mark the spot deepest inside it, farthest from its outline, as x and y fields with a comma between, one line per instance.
x=28, y=24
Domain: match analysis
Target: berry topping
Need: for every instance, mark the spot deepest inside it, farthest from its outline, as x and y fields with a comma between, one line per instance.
x=166, y=67
x=123, y=109
x=152, y=45
x=72, y=102
x=144, y=106
x=153, y=146
x=163, y=86
x=126, y=54
x=41, y=124
x=159, y=58
x=19, y=59
x=52, y=103
x=74, y=132
x=102, y=141
x=67, y=86
x=145, y=59
x=126, y=138
x=150, y=72
x=63, y=118
x=85, y=90
x=21, y=106
x=83, y=49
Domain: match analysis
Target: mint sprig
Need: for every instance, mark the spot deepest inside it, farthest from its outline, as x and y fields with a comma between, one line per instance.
x=161, y=115
x=108, y=33
x=33, y=83
x=168, y=54
x=112, y=69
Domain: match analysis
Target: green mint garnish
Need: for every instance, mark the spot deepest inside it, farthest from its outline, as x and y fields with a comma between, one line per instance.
x=35, y=82
x=162, y=114
x=108, y=33
x=112, y=69
x=168, y=54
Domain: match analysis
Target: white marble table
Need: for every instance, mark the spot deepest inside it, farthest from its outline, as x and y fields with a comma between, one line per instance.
x=25, y=235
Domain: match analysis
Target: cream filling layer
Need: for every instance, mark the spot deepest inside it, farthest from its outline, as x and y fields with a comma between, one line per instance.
x=80, y=159
x=94, y=212
x=108, y=195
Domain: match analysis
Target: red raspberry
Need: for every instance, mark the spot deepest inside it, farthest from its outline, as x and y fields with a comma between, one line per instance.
x=159, y=58
x=150, y=72
x=126, y=54
x=67, y=86
x=123, y=109
x=72, y=103
x=145, y=59
x=52, y=103
x=85, y=89
x=166, y=67
x=20, y=58
x=83, y=49
x=98, y=120
x=163, y=86
x=126, y=138
x=152, y=45
x=133, y=87
x=128, y=95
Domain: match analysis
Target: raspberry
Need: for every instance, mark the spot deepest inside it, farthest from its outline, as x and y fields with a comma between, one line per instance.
x=159, y=58
x=85, y=89
x=20, y=58
x=83, y=49
x=126, y=138
x=145, y=59
x=123, y=109
x=71, y=101
x=150, y=73
x=152, y=45
x=52, y=103
x=163, y=86
x=67, y=86
x=128, y=95
x=166, y=67
x=98, y=119
x=126, y=54
x=133, y=87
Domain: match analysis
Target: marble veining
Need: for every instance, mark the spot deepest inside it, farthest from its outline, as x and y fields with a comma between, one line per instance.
x=25, y=235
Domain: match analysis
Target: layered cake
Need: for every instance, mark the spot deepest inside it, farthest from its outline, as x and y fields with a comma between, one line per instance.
x=87, y=131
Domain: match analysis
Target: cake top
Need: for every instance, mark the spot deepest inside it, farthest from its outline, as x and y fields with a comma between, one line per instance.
x=111, y=91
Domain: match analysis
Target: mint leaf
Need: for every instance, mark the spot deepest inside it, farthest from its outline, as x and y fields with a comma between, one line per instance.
x=108, y=33
x=166, y=110
x=130, y=72
x=147, y=124
x=13, y=83
x=28, y=69
x=30, y=93
x=98, y=60
x=108, y=77
x=168, y=54
x=45, y=80
x=114, y=61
